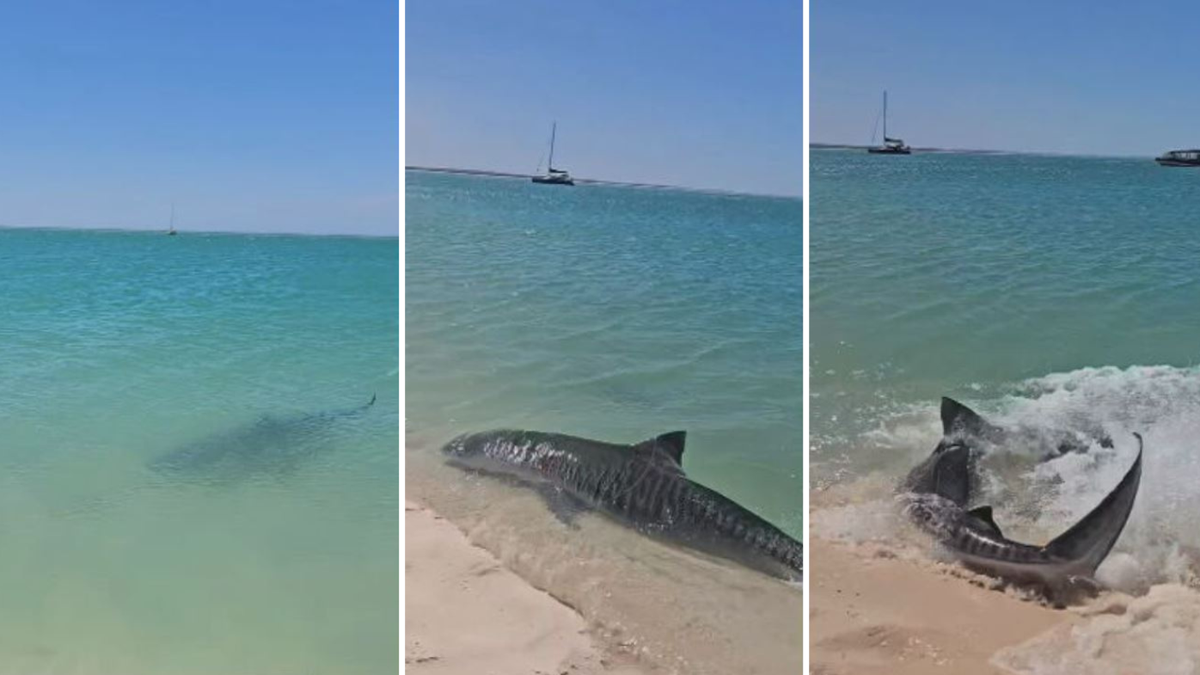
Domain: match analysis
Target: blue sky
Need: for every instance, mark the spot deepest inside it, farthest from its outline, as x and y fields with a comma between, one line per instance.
x=704, y=94
x=259, y=115
x=1071, y=77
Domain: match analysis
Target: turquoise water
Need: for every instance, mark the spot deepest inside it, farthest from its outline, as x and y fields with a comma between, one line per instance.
x=279, y=556
x=1047, y=293
x=968, y=275
x=612, y=313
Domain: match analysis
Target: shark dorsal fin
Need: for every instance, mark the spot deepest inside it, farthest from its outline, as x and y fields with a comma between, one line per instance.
x=958, y=419
x=984, y=514
x=670, y=444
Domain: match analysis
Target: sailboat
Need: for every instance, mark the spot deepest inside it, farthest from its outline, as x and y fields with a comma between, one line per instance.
x=171, y=232
x=554, y=176
x=891, y=146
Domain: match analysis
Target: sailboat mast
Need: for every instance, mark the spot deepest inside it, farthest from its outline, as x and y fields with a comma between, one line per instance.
x=885, y=115
x=553, y=131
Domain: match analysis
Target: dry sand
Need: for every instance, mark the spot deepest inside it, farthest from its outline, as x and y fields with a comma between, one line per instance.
x=872, y=612
x=468, y=614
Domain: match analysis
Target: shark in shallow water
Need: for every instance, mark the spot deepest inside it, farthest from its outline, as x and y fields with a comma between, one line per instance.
x=271, y=445
x=641, y=485
x=936, y=495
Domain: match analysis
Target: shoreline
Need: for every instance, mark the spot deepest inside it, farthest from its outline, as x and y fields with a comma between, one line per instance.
x=468, y=613
x=874, y=612
x=639, y=605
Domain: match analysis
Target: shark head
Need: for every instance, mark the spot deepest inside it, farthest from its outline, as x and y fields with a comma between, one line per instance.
x=502, y=452
x=473, y=448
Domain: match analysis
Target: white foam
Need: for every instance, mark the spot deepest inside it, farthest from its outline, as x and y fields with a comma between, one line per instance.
x=1162, y=539
x=1155, y=634
x=1036, y=500
x=1151, y=623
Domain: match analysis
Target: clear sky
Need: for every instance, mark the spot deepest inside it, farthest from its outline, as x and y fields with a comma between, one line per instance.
x=705, y=94
x=1113, y=78
x=260, y=115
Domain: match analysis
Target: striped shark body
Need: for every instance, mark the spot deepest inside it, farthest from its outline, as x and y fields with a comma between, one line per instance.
x=936, y=495
x=641, y=485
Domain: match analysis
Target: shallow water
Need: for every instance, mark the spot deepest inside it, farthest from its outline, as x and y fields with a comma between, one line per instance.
x=612, y=313
x=1047, y=293
x=617, y=314
x=120, y=348
x=649, y=603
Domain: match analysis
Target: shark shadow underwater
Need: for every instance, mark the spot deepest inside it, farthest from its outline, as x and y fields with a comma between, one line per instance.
x=272, y=445
x=936, y=495
x=642, y=486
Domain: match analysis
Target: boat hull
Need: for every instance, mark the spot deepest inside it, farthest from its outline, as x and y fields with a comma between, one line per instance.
x=551, y=180
x=1177, y=162
x=889, y=151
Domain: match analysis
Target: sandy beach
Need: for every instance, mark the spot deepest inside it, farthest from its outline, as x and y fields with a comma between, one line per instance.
x=466, y=613
x=873, y=612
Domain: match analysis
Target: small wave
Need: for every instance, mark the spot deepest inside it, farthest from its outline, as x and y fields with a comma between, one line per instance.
x=1036, y=500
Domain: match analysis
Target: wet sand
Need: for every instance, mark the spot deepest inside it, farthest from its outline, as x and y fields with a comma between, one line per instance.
x=873, y=612
x=466, y=613
x=645, y=606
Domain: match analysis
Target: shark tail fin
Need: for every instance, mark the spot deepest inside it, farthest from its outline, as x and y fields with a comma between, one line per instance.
x=372, y=401
x=1089, y=541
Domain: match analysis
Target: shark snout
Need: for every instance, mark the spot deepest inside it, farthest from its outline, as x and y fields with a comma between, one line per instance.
x=459, y=446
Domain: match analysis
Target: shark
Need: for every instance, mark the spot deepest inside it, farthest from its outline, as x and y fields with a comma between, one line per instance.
x=270, y=445
x=959, y=421
x=936, y=495
x=640, y=485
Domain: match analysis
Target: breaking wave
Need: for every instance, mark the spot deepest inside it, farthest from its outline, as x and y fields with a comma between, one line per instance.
x=1150, y=619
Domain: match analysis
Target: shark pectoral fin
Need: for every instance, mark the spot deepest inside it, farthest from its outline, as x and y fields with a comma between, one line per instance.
x=1089, y=541
x=959, y=419
x=565, y=507
x=670, y=443
x=984, y=514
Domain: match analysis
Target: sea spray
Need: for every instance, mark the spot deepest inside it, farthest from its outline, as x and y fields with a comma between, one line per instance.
x=1035, y=498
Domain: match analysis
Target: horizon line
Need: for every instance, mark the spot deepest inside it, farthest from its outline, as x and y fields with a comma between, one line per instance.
x=108, y=228
x=603, y=181
x=980, y=151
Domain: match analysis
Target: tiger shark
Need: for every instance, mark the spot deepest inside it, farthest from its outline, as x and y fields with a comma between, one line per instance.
x=271, y=445
x=642, y=486
x=936, y=495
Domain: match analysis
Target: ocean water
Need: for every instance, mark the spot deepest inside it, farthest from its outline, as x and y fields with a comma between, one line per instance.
x=618, y=314
x=270, y=547
x=1047, y=293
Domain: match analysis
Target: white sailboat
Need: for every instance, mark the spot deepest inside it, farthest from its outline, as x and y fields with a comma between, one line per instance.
x=891, y=146
x=554, y=176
